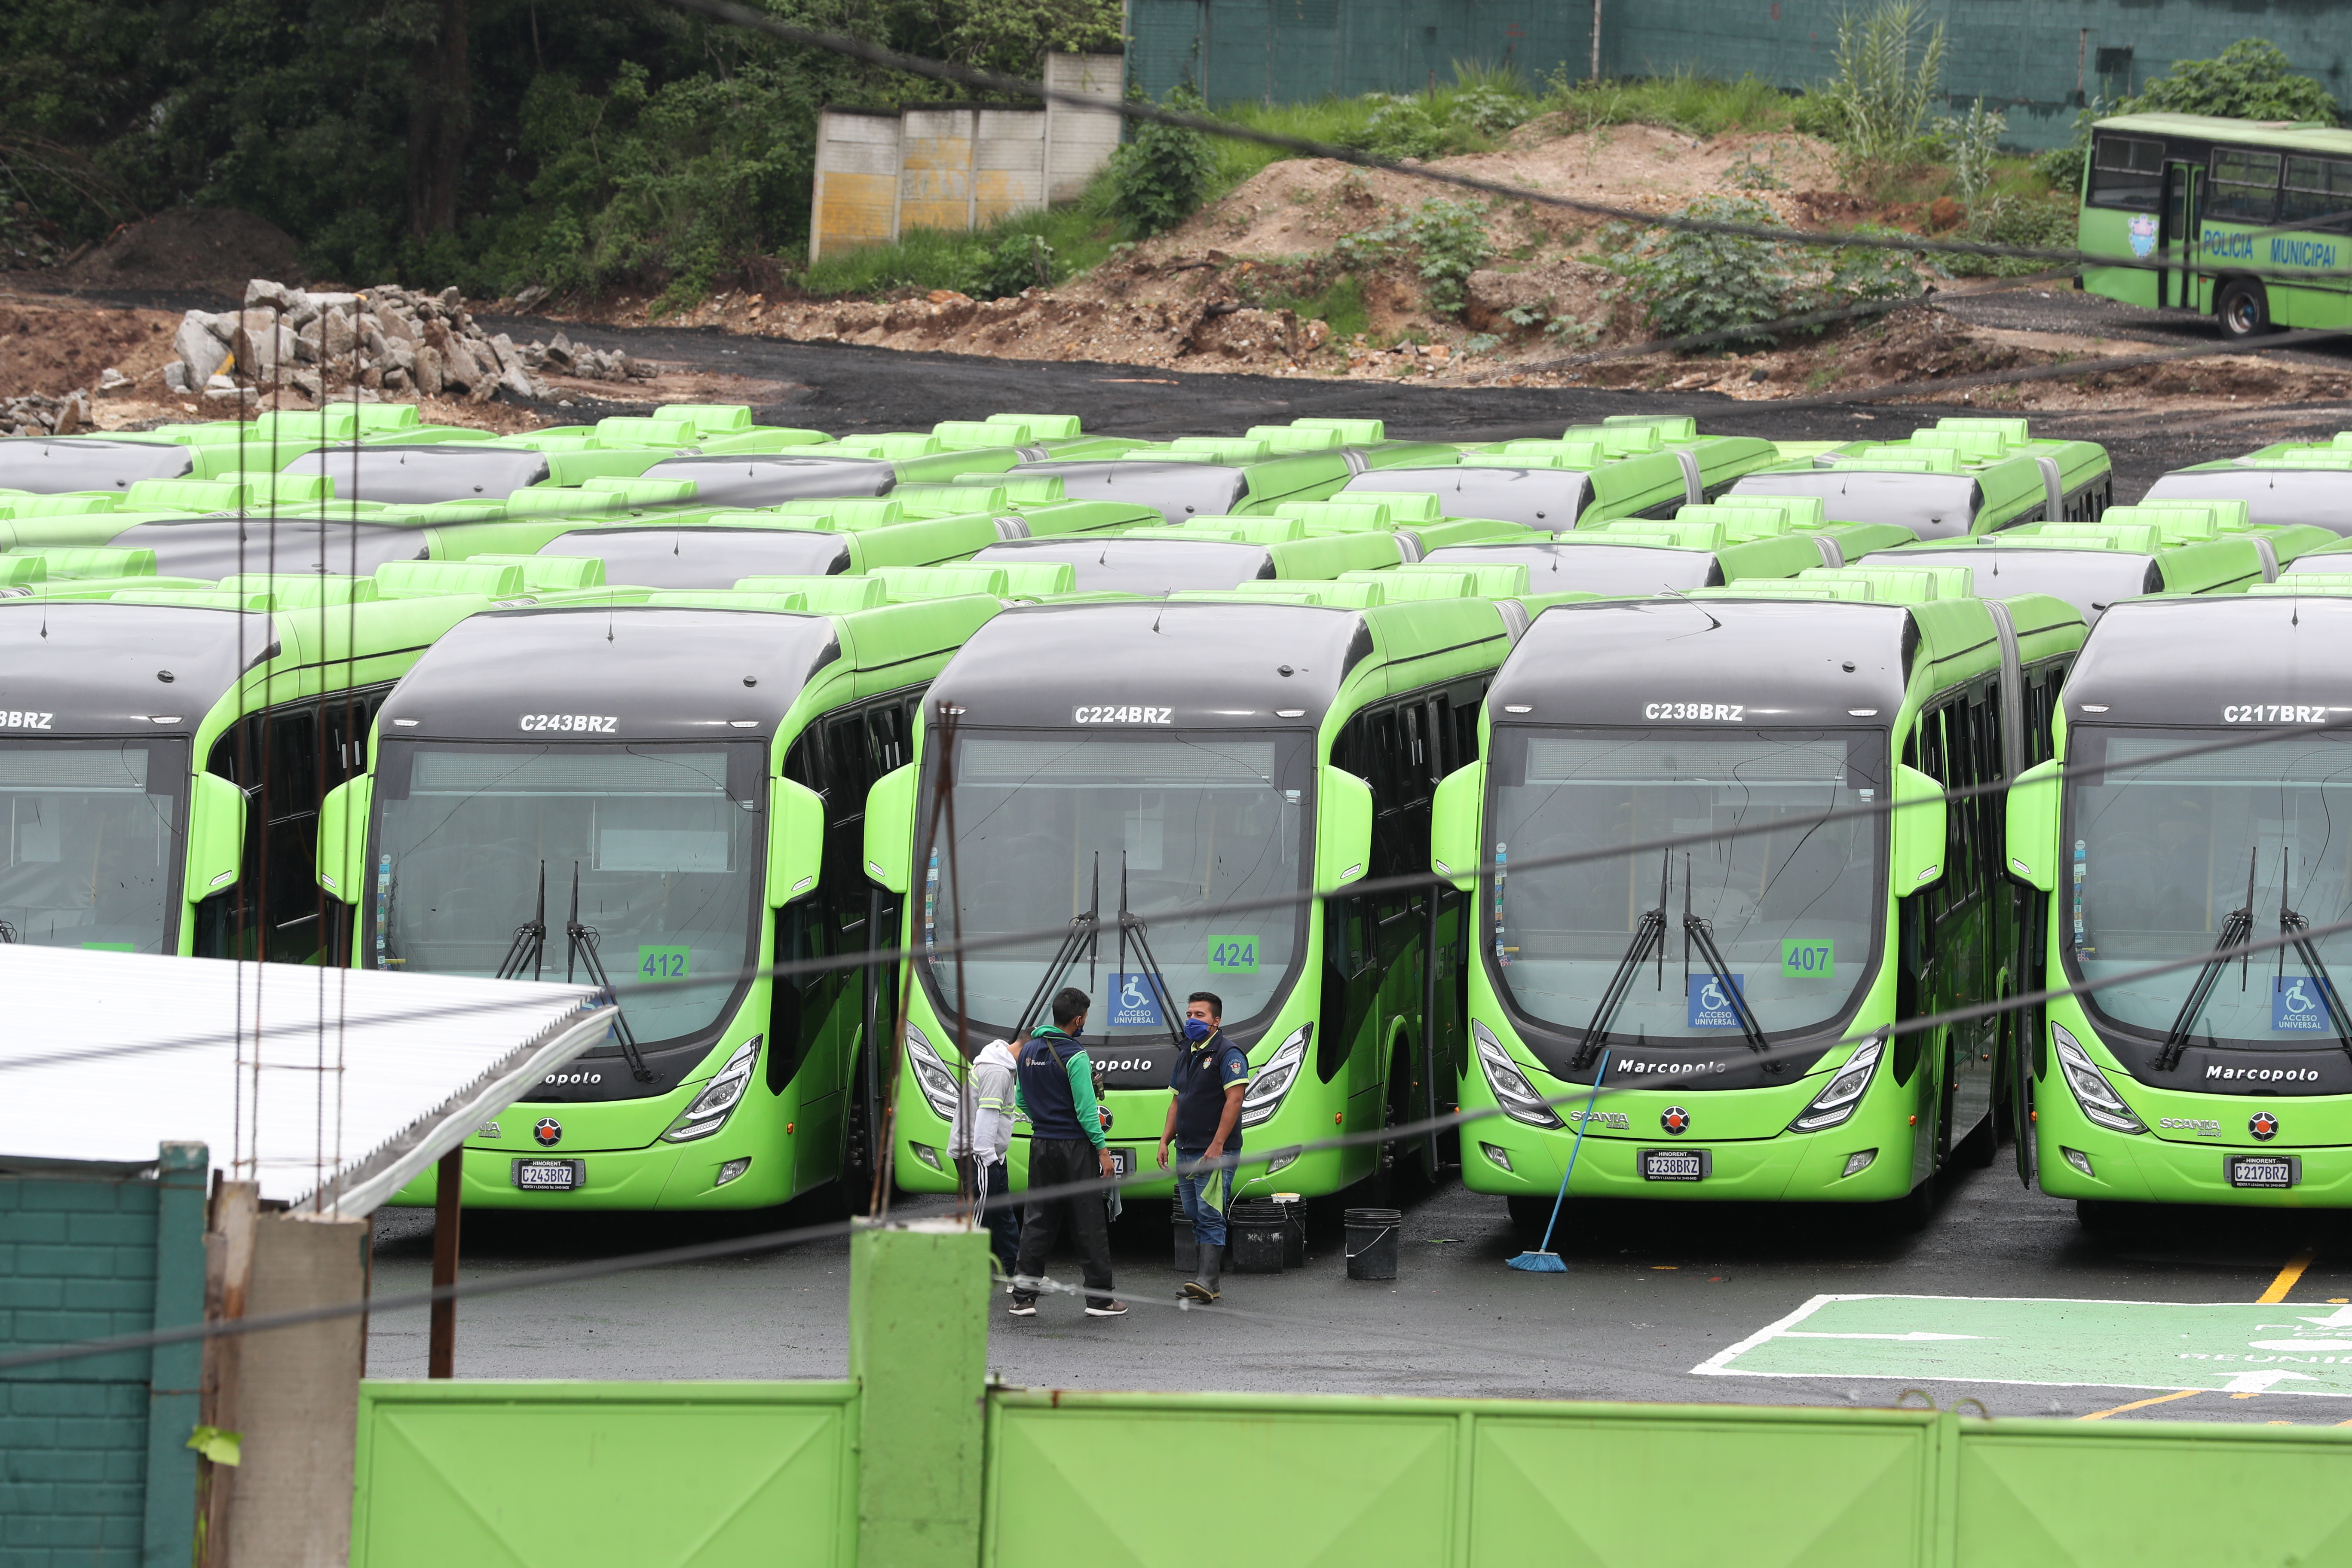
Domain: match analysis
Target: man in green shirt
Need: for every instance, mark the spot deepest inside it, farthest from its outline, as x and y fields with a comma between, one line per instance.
x=1055, y=1086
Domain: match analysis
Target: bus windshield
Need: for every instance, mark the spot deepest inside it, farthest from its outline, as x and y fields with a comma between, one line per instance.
x=1196, y=818
x=95, y=842
x=665, y=843
x=2163, y=854
x=1793, y=910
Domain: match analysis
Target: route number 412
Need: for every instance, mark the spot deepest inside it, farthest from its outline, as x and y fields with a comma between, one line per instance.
x=662, y=962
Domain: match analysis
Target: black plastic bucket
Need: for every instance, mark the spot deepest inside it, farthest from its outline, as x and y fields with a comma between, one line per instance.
x=1294, y=1232
x=1254, y=1237
x=1187, y=1251
x=1372, y=1243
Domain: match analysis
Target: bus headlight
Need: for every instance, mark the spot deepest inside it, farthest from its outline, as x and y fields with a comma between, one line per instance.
x=1269, y=1083
x=1513, y=1092
x=941, y=1091
x=1843, y=1092
x=2092, y=1092
x=707, y=1113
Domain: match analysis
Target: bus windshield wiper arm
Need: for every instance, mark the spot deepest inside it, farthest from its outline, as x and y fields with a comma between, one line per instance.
x=1650, y=932
x=530, y=939
x=2293, y=926
x=1698, y=933
x=582, y=952
x=2237, y=930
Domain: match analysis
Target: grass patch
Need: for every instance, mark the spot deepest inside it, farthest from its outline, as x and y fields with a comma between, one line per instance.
x=982, y=263
x=1701, y=106
x=1340, y=306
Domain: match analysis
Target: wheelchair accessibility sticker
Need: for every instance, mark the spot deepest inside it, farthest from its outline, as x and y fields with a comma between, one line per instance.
x=1134, y=1002
x=2297, y=1005
x=1710, y=1000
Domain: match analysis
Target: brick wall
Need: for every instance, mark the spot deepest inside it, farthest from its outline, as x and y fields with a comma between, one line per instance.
x=93, y=1467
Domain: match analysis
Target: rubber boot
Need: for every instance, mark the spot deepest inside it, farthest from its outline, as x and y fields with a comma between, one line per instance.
x=1203, y=1288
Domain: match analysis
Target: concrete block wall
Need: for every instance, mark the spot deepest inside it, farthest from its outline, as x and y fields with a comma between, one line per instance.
x=94, y=1470
x=2031, y=61
x=958, y=167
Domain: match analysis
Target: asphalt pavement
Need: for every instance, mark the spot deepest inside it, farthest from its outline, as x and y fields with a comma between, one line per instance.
x=2001, y=1299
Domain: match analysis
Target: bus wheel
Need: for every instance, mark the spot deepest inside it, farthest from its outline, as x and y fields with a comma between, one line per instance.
x=2243, y=308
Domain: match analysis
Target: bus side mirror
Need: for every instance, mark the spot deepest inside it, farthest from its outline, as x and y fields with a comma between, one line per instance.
x=795, y=841
x=342, y=837
x=890, y=829
x=217, y=813
x=1454, y=825
x=2030, y=843
x=1343, y=834
x=1918, y=836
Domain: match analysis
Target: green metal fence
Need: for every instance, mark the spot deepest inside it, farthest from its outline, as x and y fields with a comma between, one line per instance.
x=914, y=1463
x=2035, y=62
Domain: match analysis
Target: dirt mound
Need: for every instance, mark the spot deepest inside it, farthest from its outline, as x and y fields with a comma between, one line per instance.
x=188, y=247
x=54, y=350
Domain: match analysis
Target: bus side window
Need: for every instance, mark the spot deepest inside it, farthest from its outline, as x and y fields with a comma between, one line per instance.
x=2318, y=194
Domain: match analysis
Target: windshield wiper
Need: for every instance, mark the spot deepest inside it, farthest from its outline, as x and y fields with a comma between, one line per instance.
x=530, y=939
x=2237, y=930
x=583, y=952
x=2293, y=926
x=8, y=933
x=1698, y=933
x=1651, y=931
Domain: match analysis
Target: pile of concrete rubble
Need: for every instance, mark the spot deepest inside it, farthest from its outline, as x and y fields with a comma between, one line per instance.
x=387, y=340
x=37, y=413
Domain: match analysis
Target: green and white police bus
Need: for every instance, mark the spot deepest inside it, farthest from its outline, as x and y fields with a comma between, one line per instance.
x=1735, y=995
x=2229, y=1080
x=164, y=742
x=1197, y=749
x=2254, y=218
x=665, y=795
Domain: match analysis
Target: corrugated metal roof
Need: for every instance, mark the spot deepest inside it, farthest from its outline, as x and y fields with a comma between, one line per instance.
x=330, y=1087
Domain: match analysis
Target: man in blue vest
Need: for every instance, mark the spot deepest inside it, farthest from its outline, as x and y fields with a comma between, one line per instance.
x=1204, y=1123
x=1054, y=1085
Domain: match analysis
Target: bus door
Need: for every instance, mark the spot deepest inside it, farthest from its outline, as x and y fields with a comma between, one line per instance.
x=2177, y=237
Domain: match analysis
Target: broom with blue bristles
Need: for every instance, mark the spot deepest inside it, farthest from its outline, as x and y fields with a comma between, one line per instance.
x=1543, y=1261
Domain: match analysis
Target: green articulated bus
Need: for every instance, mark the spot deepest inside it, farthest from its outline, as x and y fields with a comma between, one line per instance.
x=1742, y=539
x=665, y=796
x=1628, y=466
x=165, y=743
x=2254, y=218
x=1753, y=979
x=1962, y=476
x=2228, y=1081
x=2130, y=551
x=2283, y=484
x=1169, y=757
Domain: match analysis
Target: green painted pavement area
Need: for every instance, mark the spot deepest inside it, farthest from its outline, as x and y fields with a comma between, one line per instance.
x=2233, y=1346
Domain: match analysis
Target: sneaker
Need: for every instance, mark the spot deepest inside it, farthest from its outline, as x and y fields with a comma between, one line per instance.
x=1107, y=1310
x=1021, y=1309
x=1194, y=1290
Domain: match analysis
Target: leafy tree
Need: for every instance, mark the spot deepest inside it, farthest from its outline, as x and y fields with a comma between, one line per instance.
x=2253, y=79
x=1160, y=176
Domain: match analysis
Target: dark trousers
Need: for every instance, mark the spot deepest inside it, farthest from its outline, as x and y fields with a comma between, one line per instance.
x=1052, y=1163
x=1000, y=1211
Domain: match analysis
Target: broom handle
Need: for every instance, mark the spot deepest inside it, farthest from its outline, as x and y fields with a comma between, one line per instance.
x=1581, y=1122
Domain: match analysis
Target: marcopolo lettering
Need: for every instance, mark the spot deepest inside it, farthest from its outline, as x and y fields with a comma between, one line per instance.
x=2217, y=1073
x=1724, y=712
x=2275, y=713
x=575, y=1078
x=1634, y=1067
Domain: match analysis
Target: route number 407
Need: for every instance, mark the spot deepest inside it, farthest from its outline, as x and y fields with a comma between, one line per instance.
x=1803, y=958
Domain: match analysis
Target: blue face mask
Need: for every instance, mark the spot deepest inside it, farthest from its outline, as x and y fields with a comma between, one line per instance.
x=1196, y=1029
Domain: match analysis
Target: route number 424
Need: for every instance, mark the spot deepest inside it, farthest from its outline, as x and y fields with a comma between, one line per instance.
x=1233, y=955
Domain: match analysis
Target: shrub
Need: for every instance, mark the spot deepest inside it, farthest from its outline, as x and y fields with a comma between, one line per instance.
x=1401, y=126
x=1689, y=283
x=2253, y=79
x=1970, y=142
x=1446, y=242
x=1882, y=95
x=1160, y=177
x=2047, y=225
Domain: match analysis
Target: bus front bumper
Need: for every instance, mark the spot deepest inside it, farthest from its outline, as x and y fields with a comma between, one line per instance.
x=2144, y=1168
x=651, y=1175
x=1790, y=1167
